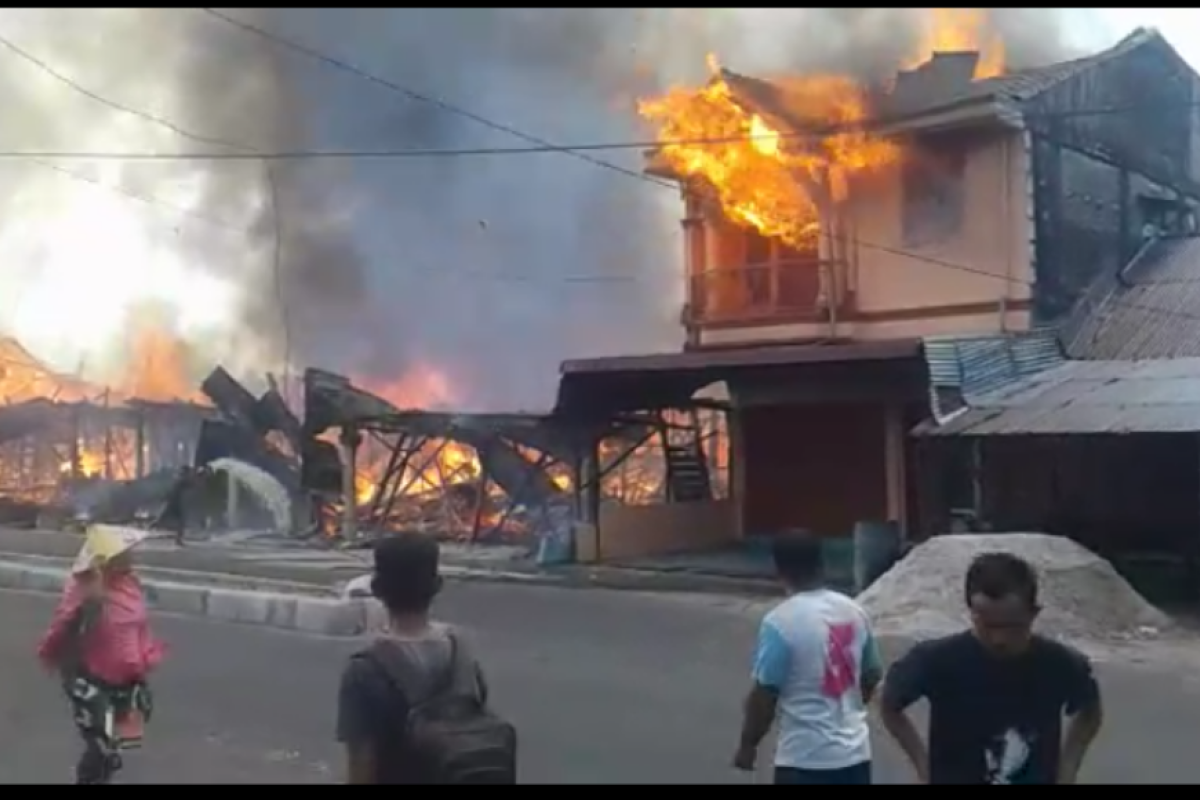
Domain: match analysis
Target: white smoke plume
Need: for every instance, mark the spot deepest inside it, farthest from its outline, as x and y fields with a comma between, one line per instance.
x=489, y=269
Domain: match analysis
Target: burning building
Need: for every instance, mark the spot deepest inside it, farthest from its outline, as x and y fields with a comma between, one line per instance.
x=63, y=441
x=833, y=225
x=338, y=461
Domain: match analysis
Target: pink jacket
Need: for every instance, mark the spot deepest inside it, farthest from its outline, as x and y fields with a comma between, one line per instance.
x=120, y=649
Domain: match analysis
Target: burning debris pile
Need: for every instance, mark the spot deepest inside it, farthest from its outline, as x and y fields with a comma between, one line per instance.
x=67, y=446
x=352, y=466
x=471, y=476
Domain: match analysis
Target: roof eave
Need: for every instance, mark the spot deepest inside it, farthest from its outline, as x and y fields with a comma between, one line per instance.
x=991, y=110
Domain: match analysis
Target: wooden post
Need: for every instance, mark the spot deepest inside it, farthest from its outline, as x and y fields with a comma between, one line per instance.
x=139, y=444
x=107, y=440
x=75, y=442
x=350, y=440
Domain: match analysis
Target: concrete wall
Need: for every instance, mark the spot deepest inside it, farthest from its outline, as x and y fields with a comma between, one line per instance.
x=625, y=532
x=899, y=289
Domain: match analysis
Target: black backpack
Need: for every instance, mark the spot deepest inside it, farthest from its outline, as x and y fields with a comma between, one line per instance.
x=451, y=735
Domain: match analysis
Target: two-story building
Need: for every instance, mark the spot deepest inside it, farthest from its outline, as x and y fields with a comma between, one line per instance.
x=1013, y=198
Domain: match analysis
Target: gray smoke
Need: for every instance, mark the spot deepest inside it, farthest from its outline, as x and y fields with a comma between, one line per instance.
x=490, y=269
x=869, y=43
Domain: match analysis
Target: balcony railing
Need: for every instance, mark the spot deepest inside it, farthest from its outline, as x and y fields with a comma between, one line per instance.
x=756, y=292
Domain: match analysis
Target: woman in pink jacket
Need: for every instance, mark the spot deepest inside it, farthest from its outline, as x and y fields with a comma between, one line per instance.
x=99, y=642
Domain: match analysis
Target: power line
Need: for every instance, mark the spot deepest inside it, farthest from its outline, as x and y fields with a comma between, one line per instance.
x=113, y=104
x=141, y=198
x=343, y=66
x=540, y=145
x=431, y=153
x=179, y=131
x=537, y=141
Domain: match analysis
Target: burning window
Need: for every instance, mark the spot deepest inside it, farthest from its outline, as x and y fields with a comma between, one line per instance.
x=934, y=191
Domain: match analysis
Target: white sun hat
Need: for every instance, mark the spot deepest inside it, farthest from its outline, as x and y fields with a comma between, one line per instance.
x=104, y=542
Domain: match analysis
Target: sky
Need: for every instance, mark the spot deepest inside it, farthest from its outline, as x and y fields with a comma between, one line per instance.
x=1180, y=25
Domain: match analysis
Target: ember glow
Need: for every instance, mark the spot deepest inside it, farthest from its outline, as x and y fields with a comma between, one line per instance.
x=777, y=182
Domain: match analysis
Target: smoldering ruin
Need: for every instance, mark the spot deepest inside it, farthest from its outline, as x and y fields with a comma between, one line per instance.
x=349, y=467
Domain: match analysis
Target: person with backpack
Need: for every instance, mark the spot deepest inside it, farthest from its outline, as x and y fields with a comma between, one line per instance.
x=413, y=705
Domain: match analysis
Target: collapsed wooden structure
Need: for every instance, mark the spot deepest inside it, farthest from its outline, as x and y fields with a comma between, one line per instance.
x=353, y=465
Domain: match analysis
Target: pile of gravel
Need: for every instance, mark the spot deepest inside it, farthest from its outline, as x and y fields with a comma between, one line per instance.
x=1082, y=596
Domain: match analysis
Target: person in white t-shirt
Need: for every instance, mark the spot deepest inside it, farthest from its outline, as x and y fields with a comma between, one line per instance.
x=816, y=667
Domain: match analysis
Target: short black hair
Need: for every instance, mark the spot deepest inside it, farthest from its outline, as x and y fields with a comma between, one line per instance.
x=997, y=575
x=406, y=572
x=798, y=556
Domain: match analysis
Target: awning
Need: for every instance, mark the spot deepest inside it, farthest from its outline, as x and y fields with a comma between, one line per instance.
x=627, y=383
x=1086, y=397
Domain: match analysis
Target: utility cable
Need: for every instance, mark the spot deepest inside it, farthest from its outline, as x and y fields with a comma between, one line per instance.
x=540, y=145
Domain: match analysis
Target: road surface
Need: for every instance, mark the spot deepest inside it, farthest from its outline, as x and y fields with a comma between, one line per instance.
x=606, y=687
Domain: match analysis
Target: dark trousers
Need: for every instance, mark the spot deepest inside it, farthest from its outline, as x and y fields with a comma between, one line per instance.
x=855, y=775
x=96, y=765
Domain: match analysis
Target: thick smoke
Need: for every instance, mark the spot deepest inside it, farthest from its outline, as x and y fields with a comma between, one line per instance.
x=869, y=43
x=490, y=268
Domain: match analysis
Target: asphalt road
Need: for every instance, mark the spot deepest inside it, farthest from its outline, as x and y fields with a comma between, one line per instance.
x=606, y=687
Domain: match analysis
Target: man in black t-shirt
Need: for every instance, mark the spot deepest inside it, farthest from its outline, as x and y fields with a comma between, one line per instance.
x=997, y=693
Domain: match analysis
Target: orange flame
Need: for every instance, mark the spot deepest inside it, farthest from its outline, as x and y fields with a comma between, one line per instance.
x=157, y=369
x=777, y=184
x=763, y=180
x=950, y=30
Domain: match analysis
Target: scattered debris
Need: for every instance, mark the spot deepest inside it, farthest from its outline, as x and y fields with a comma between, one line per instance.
x=1083, y=597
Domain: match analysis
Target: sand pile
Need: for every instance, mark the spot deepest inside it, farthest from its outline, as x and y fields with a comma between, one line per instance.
x=1082, y=596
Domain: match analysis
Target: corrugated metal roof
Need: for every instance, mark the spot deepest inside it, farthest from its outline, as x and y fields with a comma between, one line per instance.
x=979, y=365
x=1087, y=397
x=963, y=368
x=1154, y=313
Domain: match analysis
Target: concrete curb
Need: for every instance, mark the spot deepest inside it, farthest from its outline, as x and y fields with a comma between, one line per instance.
x=294, y=612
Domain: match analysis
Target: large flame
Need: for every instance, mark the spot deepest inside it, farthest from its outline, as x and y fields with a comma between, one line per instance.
x=764, y=180
x=949, y=30
x=778, y=183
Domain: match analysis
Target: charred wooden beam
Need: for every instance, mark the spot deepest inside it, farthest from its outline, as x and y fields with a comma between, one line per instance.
x=272, y=414
x=25, y=419
x=523, y=480
x=331, y=400
x=231, y=398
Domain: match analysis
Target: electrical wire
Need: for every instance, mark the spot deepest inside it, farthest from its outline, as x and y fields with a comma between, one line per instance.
x=178, y=130
x=540, y=145
x=346, y=67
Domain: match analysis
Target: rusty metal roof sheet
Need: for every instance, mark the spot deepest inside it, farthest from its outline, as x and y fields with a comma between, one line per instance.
x=1153, y=313
x=963, y=368
x=1087, y=397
